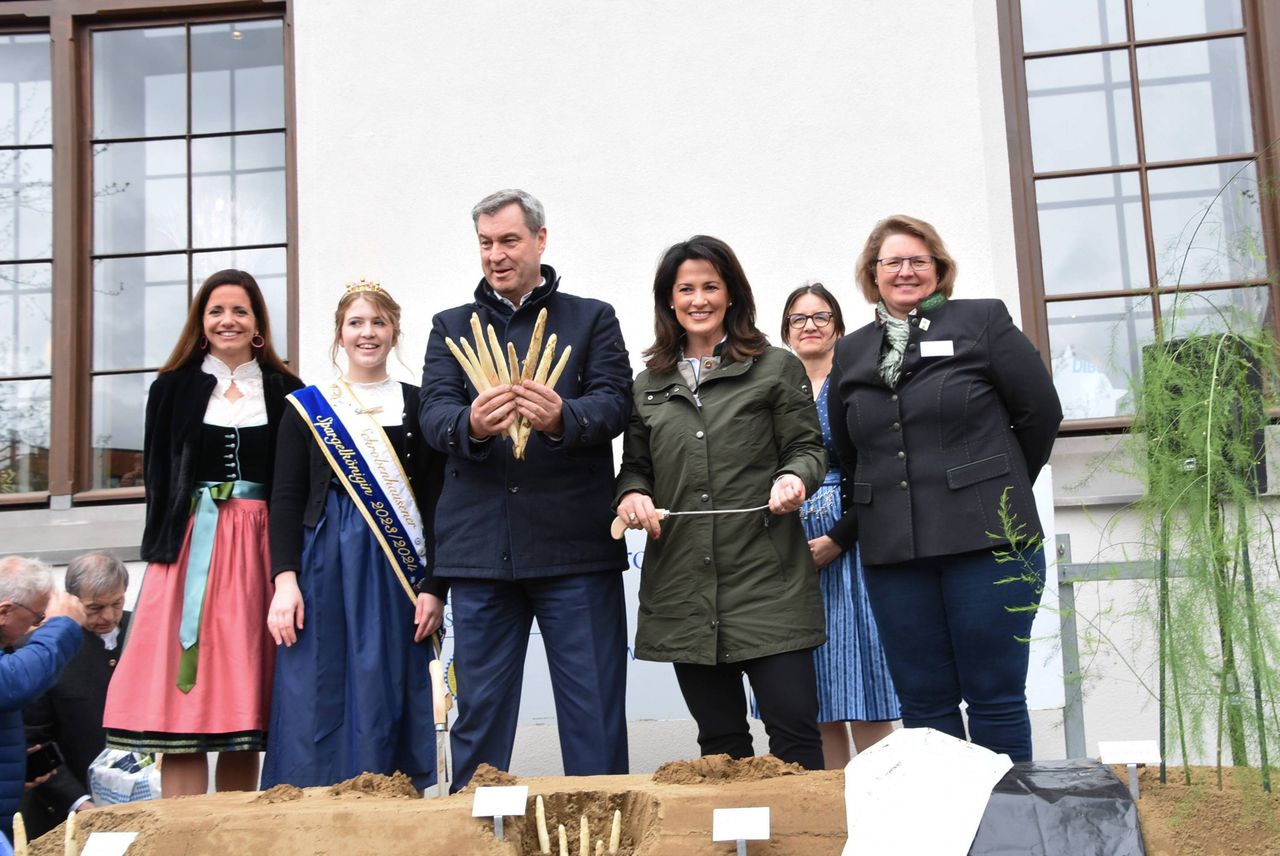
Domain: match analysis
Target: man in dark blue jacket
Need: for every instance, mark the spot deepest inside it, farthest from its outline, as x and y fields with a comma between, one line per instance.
x=27, y=598
x=524, y=539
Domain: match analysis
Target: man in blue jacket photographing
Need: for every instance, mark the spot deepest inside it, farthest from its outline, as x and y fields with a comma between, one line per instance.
x=27, y=599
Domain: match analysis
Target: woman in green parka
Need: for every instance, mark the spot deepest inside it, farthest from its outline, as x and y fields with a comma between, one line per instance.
x=722, y=422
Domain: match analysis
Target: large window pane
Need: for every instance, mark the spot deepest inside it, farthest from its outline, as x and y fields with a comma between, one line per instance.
x=237, y=186
x=1188, y=313
x=237, y=76
x=1051, y=24
x=1096, y=350
x=118, y=408
x=1206, y=224
x=139, y=82
x=1154, y=19
x=26, y=204
x=140, y=197
x=24, y=436
x=1195, y=100
x=138, y=308
x=26, y=117
x=269, y=269
x=1091, y=233
x=26, y=319
x=1081, y=111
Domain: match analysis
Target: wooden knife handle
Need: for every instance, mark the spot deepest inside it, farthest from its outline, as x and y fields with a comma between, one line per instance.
x=439, y=694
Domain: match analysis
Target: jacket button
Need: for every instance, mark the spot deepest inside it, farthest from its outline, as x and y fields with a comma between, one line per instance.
x=450, y=429
x=506, y=557
x=902, y=456
x=706, y=497
x=454, y=473
x=700, y=434
x=715, y=623
x=911, y=347
x=706, y=560
x=515, y=488
x=897, y=426
x=893, y=397
x=648, y=398
x=902, y=485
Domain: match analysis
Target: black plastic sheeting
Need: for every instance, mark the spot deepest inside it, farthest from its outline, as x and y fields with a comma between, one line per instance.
x=1059, y=808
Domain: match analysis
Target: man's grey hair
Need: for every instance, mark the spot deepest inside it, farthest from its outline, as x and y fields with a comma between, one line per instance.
x=534, y=217
x=24, y=580
x=96, y=573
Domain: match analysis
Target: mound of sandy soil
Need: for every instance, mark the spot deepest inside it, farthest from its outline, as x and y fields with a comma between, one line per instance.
x=722, y=768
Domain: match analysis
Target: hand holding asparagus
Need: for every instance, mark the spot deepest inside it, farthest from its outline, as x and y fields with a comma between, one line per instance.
x=514, y=400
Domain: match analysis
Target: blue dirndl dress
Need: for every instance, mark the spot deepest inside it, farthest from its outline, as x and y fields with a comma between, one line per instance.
x=853, y=675
x=353, y=694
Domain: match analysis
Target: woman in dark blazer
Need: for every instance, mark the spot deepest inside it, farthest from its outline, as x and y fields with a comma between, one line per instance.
x=943, y=414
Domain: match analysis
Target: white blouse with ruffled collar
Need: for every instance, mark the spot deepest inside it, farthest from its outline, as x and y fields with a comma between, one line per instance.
x=381, y=399
x=249, y=409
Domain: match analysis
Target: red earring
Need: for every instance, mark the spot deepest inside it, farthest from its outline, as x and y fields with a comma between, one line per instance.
x=257, y=341
x=204, y=343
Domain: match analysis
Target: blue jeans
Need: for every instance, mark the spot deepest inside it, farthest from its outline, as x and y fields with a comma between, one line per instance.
x=583, y=621
x=949, y=634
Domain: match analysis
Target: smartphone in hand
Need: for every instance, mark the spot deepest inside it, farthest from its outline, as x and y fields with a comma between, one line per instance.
x=46, y=759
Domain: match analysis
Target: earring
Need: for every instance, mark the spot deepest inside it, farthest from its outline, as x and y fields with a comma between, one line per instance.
x=204, y=343
x=673, y=307
x=257, y=341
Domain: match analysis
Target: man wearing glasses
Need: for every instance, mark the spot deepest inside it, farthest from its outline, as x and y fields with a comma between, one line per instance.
x=27, y=599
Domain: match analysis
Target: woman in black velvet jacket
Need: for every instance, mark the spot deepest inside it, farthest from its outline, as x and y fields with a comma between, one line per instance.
x=196, y=676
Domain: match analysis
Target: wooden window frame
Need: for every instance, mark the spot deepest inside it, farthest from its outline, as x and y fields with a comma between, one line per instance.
x=1261, y=33
x=69, y=23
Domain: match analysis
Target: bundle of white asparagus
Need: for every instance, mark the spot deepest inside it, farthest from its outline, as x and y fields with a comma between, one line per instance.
x=584, y=837
x=486, y=366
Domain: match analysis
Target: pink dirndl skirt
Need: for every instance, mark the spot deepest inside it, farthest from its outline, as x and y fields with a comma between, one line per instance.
x=227, y=709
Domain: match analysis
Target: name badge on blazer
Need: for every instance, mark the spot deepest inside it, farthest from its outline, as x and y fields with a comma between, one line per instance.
x=938, y=348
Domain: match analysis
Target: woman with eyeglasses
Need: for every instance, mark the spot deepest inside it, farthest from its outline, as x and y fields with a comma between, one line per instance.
x=943, y=414
x=724, y=423
x=856, y=699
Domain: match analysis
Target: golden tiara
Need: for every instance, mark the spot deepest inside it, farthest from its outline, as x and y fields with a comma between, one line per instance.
x=363, y=284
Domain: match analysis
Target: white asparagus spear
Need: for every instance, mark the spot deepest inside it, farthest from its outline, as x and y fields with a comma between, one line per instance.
x=599, y=847
x=500, y=366
x=513, y=360
x=559, y=369
x=539, y=376
x=584, y=838
x=69, y=847
x=564, y=842
x=20, y=836
x=540, y=814
x=535, y=346
x=499, y=360
x=615, y=836
x=475, y=365
x=482, y=351
x=468, y=367
x=548, y=357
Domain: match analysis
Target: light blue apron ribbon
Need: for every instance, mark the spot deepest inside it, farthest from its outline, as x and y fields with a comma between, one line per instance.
x=205, y=508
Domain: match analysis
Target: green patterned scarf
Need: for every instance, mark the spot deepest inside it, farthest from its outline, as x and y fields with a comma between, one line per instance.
x=897, y=333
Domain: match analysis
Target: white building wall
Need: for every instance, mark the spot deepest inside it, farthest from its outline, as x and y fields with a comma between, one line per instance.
x=787, y=130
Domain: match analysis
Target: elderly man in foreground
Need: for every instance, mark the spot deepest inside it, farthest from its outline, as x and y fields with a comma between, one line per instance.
x=27, y=599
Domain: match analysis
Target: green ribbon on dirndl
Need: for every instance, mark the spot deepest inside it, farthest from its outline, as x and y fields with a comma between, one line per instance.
x=204, y=503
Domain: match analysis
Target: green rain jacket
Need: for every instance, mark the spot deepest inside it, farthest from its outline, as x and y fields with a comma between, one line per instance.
x=731, y=587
